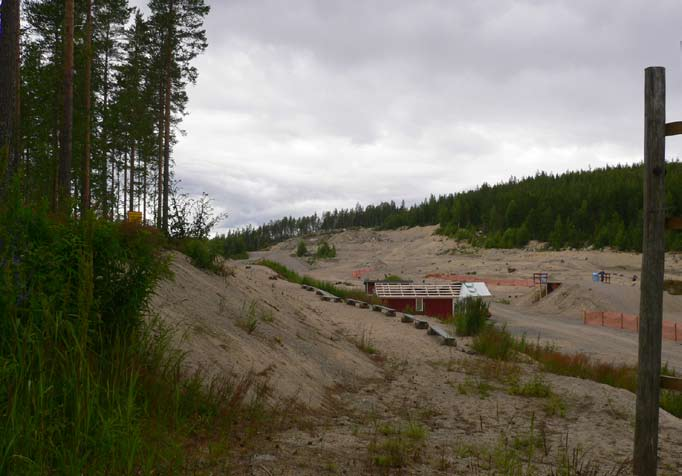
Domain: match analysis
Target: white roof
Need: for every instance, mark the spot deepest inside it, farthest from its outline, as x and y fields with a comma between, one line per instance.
x=398, y=290
x=474, y=290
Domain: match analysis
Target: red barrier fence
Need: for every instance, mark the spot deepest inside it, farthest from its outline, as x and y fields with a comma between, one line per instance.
x=472, y=278
x=618, y=320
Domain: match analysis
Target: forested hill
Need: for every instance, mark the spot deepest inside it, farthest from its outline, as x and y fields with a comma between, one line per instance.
x=601, y=207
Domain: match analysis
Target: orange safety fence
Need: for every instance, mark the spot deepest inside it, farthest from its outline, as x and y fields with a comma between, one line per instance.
x=470, y=278
x=359, y=273
x=619, y=320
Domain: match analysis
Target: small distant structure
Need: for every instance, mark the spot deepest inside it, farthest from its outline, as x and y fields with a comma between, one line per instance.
x=370, y=284
x=601, y=277
x=436, y=300
x=542, y=283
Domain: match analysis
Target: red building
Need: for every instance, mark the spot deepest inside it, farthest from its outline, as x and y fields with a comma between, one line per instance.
x=436, y=300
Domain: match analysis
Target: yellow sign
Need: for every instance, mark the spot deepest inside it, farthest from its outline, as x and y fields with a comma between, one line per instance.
x=135, y=217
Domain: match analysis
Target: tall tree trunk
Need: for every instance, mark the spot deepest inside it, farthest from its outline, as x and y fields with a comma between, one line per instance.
x=9, y=90
x=144, y=193
x=105, y=129
x=125, y=184
x=85, y=194
x=114, y=197
x=168, y=91
x=66, y=129
x=132, y=177
x=166, y=149
x=159, y=192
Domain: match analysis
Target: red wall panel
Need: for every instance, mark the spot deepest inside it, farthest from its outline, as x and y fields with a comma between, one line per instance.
x=438, y=307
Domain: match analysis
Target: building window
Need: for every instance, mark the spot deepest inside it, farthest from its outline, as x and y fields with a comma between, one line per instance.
x=420, y=305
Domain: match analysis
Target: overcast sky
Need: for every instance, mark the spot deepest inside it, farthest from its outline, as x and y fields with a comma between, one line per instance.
x=304, y=106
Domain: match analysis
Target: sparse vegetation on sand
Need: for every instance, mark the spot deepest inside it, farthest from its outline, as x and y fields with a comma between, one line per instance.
x=673, y=286
x=365, y=343
x=497, y=343
x=395, y=445
x=294, y=277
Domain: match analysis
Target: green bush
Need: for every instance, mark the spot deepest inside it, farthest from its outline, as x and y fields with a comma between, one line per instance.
x=202, y=254
x=471, y=315
x=301, y=249
x=324, y=251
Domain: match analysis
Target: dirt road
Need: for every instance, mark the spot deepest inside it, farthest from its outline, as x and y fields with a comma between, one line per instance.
x=571, y=335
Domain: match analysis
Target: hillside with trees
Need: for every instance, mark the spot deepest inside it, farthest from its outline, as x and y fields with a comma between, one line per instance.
x=599, y=208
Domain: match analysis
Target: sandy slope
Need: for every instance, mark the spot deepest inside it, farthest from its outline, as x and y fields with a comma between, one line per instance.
x=308, y=350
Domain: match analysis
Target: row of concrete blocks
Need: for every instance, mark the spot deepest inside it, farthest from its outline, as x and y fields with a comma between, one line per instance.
x=444, y=337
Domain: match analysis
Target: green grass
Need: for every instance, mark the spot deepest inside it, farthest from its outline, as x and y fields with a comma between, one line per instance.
x=479, y=387
x=365, y=344
x=494, y=343
x=396, y=445
x=535, y=387
x=294, y=277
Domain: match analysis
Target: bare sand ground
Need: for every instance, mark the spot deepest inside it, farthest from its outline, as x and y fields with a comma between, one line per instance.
x=416, y=253
x=437, y=410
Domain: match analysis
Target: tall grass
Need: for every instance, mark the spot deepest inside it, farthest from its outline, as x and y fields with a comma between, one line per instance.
x=86, y=385
x=294, y=277
x=471, y=315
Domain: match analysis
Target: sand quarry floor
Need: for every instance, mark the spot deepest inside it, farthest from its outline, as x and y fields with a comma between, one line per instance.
x=363, y=393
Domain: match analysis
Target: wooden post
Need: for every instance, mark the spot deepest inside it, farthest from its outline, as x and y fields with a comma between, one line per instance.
x=653, y=255
x=621, y=320
x=602, y=318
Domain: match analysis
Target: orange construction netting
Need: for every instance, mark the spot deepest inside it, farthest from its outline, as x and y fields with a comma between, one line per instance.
x=618, y=320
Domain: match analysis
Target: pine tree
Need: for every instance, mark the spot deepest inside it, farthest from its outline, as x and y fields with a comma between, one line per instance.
x=66, y=126
x=9, y=90
x=177, y=25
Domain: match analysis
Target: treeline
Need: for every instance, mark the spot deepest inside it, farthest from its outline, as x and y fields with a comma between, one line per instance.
x=600, y=208
x=91, y=101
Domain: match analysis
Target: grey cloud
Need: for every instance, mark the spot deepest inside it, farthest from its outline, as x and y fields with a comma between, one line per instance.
x=306, y=105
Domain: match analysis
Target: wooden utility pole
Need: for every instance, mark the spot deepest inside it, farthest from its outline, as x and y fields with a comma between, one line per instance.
x=653, y=260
